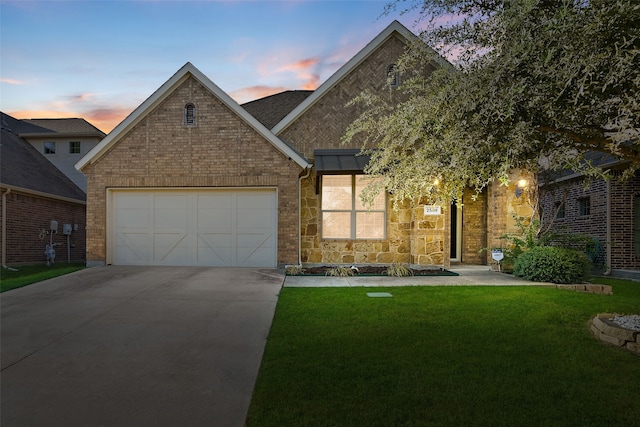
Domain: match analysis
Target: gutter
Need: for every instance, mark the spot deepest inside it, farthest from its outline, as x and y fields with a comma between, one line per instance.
x=4, y=227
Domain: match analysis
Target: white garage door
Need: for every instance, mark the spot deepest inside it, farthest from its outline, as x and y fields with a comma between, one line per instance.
x=194, y=227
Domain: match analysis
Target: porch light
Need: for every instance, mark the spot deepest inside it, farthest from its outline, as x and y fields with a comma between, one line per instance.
x=521, y=186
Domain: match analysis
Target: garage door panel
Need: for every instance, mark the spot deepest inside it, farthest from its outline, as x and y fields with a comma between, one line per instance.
x=132, y=248
x=170, y=248
x=197, y=227
x=215, y=218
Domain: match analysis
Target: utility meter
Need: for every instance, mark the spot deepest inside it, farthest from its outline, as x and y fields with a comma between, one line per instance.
x=53, y=226
x=66, y=229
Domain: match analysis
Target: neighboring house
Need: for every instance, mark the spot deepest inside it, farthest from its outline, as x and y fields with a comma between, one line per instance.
x=193, y=178
x=608, y=211
x=63, y=142
x=34, y=193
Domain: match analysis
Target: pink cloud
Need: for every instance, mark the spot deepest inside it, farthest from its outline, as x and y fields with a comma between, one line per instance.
x=104, y=119
x=12, y=81
x=254, y=92
x=304, y=70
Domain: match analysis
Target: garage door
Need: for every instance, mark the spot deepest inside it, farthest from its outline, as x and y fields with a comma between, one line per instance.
x=194, y=227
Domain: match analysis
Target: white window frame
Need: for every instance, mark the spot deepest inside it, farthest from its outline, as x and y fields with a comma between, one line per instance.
x=356, y=208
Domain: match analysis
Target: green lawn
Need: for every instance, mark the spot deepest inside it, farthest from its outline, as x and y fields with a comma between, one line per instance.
x=27, y=275
x=446, y=356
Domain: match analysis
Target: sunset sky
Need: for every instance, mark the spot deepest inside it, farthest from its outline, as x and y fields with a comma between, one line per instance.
x=99, y=60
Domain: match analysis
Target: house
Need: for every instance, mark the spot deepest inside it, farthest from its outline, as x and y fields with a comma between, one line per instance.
x=35, y=193
x=607, y=211
x=192, y=178
x=63, y=142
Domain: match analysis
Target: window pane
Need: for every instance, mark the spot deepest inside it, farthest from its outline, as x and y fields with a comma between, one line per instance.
x=74, y=147
x=336, y=192
x=336, y=225
x=378, y=203
x=49, y=148
x=369, y=225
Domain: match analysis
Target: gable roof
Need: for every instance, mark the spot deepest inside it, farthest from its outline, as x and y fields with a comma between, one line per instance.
x=394, y=28
x=188, y=70
x=271, y=109
x=22, y=167
x=59, y=127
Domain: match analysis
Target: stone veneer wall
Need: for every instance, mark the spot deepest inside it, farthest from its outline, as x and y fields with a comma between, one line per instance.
x=221, y=151
x=411, y=237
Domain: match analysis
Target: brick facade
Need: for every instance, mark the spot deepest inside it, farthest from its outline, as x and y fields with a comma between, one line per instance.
x=28, y=219
x=621, y=215
x=220, y=151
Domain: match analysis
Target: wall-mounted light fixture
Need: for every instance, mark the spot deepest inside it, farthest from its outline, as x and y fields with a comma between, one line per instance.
x=521, y=186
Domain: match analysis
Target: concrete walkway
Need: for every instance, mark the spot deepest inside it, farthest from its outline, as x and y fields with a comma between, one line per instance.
x=467, y=275
x=135, y=346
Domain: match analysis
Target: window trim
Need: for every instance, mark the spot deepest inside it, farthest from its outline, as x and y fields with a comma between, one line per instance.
x=71, y=147
x=584, y=206
x=190, y=115
x=353, y=211
x=560, y=210
x=392, y=75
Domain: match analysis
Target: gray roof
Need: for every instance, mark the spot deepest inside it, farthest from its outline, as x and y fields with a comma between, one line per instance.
x=272, y=109
x=337, y=161
x=59, y=127
x=22, y=166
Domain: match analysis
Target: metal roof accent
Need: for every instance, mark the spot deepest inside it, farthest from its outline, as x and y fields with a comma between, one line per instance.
x=339, y=161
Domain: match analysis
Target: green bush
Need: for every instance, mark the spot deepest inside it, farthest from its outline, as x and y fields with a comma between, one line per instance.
x=552, y=264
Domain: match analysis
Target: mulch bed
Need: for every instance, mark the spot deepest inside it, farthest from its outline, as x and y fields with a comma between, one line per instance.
x=371, y=270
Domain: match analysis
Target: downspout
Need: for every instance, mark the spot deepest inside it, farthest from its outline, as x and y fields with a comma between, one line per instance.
x=4, y=227
x=300, y=214
x=608, y=230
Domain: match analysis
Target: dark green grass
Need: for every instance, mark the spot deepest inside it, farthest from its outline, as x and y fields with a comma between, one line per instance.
x=452, y=356
x=27, y=275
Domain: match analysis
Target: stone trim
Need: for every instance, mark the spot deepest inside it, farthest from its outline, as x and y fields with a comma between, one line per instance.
x=611, y=333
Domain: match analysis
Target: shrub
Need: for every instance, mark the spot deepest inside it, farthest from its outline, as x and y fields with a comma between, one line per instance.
x=340, y=272
x=552, y=264
x=294, y=270
x=399, y=270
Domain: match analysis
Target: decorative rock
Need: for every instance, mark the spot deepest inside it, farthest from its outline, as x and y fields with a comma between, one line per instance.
x=604, y=328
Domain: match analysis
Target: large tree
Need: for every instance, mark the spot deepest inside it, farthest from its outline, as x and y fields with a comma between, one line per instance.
x=535, y=84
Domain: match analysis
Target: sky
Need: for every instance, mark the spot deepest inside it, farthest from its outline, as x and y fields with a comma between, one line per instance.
x=99, y=60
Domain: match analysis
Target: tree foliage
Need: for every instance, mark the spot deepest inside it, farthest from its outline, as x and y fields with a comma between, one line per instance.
x=536, y=84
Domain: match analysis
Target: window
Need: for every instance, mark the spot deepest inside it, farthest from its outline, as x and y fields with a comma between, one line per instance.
x=344, y=216
x=49, y=147
x=584, y=206
x=636, y=225
x=392, y=75
x=190, y=115
x=559, y=209
x=74, y=147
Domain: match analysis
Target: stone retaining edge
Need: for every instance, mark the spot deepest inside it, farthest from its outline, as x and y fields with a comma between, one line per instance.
x=611, y=333
x=588, y=288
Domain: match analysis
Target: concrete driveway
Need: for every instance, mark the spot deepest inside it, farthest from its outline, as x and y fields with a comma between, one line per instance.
x=135, y=346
